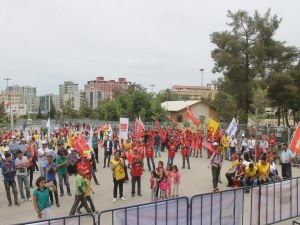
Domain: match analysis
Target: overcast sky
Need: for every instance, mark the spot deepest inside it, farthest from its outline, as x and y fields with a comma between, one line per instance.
x=160, y=42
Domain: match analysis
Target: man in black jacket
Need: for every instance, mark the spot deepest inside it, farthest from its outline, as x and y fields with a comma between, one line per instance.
x=108, y=145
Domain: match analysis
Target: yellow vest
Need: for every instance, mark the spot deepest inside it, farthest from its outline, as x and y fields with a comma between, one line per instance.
x=119, y=172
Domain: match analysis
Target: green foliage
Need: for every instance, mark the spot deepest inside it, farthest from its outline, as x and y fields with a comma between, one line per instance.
x=3, y=116
x=248, y=55
x=133, y=102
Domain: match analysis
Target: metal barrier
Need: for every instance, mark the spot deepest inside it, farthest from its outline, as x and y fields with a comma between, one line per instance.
x=168, y=212
x=224, y=207
x=275, y=202
x=86, y=219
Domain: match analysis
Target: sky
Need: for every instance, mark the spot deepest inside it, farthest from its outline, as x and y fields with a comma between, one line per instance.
x=160, y=42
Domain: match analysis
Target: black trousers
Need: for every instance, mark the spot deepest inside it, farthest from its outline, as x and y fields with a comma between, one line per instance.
x=96, y=150
x=107, y=155
x=152, y=162
x=78, y=199
x=286, y=169
x=118, y=183
x=51, y=193
x=134, y=180
x=187, y=158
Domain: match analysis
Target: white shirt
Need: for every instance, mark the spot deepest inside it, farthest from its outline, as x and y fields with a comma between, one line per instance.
x=273, y=168
x=232, y=142
x=286, y=156
x=43, y=153
x=22, y=171
x=251, y=143
x=264, y=145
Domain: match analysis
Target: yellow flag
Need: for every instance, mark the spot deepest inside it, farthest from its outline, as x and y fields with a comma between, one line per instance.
x=212, y=126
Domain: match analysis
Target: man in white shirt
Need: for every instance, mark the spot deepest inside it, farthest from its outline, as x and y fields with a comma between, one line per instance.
x=43, y=153
x=251, y=146
x=286, y=157
x=232, y=146
x=264, y=144
x=22, y=164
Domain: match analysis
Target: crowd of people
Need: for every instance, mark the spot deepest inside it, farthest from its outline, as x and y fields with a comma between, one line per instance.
x=57, y=159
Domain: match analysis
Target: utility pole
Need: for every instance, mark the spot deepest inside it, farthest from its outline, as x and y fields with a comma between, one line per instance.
x=10, y=101
x=202, y=70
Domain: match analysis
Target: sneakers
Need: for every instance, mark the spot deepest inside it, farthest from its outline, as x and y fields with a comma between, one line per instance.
x=22, y=200
x=96, y=212
x=140, y=195
x=69, y=193
x=61, y=194
x=57, y=205
x=123, y=199
x=17, y=204
x=10, y=204
x=114, y=200
x=29, y=199
x=78, y=211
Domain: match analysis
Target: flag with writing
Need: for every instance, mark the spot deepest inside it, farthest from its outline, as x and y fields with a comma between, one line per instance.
x=232, y=128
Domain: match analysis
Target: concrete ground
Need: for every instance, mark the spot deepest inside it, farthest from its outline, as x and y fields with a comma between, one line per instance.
x=198, y=180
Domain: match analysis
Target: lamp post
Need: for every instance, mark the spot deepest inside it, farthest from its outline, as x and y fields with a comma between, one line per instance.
x=201, y=70
x=10, y=108
x=151, y=85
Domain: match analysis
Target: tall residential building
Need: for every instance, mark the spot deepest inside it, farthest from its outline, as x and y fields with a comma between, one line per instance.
x=29, y=95
x=194, y=92
x=100, y=89
x=16, y=101
x=44, y=101
x=69, y=90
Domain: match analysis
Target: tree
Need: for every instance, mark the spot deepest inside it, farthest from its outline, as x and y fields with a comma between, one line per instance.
x=85, y=111
x=68, y=108
x=245, y=53
x=52, y=110
x=259, y=103
x=3, y=115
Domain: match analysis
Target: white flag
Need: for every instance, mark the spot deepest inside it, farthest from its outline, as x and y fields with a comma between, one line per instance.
x=232, y=129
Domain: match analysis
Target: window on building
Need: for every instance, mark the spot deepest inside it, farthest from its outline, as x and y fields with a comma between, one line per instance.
x=91, y=99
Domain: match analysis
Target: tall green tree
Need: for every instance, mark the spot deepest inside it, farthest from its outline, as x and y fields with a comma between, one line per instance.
x=3, y=116
x=244, y=53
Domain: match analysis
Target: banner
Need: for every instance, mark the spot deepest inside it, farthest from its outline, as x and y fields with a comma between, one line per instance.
x=295, y=144
x=212, y=126
x=192, y=117
x=232, y=128
x=173, y=211
x=224, y=208
x=123, y=131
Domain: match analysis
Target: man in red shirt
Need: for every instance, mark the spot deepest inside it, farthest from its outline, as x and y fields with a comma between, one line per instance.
x=171, y=151
x=136, y=173
x=185, y=147
x=150, y=157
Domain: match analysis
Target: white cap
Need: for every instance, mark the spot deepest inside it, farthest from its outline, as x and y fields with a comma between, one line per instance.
x=243, y=135
x=13, y=136
x=44, y=142
x=215, y=144
x=23, y=139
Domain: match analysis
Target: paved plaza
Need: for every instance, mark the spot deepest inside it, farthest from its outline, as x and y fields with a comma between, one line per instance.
x=198, y=180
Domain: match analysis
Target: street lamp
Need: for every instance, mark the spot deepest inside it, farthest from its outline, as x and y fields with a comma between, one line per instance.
x=201, y=70
x=152, y=85
x=10, y=100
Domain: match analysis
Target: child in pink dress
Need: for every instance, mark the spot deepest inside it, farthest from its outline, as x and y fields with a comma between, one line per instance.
x=175, y=180
x=168, y=174
x=164, y=187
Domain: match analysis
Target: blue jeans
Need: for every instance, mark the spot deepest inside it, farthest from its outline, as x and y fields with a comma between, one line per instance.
x=61, y=179
x=246, y=181
x=157, y=150
x=170, y=161
x=23, y=180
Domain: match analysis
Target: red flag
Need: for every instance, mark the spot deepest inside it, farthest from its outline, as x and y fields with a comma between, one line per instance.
x=209, y=147
x=192, y=117
x=156, y=124
x=138, y=127
x=171, y=119
x=295, y=144
x=80, y=144
x=103, y=128
x=129, y=157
